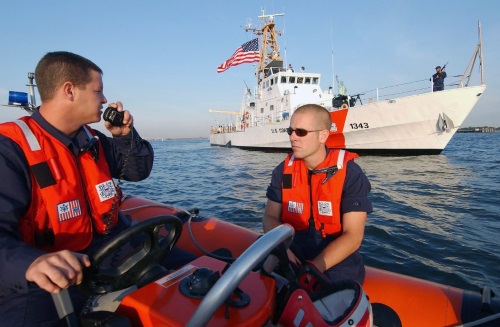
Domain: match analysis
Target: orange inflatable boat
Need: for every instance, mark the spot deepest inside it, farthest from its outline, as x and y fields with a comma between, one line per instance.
x=224, y=286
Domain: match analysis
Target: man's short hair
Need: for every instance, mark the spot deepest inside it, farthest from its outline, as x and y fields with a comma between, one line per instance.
x=56, y=68
x=324, y=120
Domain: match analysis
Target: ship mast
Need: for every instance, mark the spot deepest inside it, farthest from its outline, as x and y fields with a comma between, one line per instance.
x=269, y=49
x=470, y=67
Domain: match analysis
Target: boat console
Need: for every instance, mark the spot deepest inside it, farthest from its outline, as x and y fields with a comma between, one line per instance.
x=208, y=291
x=173, y=299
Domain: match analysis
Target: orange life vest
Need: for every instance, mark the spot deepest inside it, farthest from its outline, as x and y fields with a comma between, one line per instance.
x=327, y=181
x=69, y=196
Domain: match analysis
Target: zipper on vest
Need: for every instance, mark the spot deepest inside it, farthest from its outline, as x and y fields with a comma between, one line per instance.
x=322, y=230
x=311, y=204
x=85, y=195
x=311, y=220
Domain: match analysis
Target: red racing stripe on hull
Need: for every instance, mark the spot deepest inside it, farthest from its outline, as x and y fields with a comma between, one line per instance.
x=336, y=138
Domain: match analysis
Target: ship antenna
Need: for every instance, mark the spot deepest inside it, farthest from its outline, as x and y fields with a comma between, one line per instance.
x=331, y=40
x=284, y=29
x=481, y=51
x=248, y=25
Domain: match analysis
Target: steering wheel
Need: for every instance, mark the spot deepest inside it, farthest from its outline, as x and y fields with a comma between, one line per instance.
x=139, y=266
x=228, y=282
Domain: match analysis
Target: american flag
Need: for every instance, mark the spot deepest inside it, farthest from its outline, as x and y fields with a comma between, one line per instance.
x=248, y=52
x=68, y=210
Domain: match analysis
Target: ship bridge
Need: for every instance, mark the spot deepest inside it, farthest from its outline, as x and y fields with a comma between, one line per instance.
x=281, y=83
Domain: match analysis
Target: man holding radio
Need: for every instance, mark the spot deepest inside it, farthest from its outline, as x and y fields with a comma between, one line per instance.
x=58, y=201
x=323, y=194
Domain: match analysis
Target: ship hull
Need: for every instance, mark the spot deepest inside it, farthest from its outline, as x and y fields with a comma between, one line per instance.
x=413, y=125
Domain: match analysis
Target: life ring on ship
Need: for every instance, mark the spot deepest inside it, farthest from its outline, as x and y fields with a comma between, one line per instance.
x=344, y=106
x=247, y=115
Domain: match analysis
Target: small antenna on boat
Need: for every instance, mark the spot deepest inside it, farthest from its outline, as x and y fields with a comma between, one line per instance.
x=20, y=99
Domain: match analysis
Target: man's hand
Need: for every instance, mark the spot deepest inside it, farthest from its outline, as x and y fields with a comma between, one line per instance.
x=293, y=258
x=310, y=278
x=55, y=271
x=128, y=121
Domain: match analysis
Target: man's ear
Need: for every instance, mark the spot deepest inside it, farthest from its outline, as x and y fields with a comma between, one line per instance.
x=68, y=89
x=323, y=135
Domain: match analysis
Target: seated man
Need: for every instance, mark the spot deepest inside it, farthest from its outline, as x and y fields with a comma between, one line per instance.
x=58, y=201
x=323, y=194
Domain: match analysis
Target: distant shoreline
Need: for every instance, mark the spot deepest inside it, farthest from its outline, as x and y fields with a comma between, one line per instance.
x=176, y=139
x=484, y=129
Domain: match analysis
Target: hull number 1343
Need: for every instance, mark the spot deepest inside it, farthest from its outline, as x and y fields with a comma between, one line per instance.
x=359, y=125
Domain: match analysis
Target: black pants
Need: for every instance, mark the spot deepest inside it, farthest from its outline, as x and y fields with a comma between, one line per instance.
x=438, y=87
x=309, y=243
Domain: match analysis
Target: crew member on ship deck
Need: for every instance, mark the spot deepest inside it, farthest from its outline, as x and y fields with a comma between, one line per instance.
x=438, y=79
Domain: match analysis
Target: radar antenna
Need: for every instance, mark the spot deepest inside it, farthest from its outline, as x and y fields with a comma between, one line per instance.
x=248, y=25
x=269, y=50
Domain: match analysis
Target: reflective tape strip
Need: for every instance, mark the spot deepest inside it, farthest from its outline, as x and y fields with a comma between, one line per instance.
x=28, y=134
x=340, y=159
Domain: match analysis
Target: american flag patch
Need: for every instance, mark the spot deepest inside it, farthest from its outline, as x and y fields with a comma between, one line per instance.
x=295, y=207
x=106, y=190
x=69, y=210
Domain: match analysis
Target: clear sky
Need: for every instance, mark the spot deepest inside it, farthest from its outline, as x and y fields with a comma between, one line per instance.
x=160, y=58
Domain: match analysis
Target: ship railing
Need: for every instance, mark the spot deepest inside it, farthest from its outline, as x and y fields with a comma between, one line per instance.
x=221, y=129
x=241, y=126
x=405, y=89
x=234, y=127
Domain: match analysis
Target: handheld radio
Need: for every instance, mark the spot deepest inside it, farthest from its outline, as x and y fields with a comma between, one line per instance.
x=114, y=116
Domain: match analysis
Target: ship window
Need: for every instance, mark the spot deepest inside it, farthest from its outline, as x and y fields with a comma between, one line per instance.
x=308, y=80
x=276, y=80
x=283, y=79
x=267, y=83
x=292, y=79
x=315, y=80
x=300, y=80
x=261, y=110
x=272, y=81
x=271, y=107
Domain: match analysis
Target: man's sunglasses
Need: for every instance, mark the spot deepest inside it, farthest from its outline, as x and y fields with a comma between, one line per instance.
x=300, y=131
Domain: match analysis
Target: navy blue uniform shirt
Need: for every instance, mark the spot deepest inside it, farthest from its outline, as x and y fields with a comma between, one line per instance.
x=438, y=80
